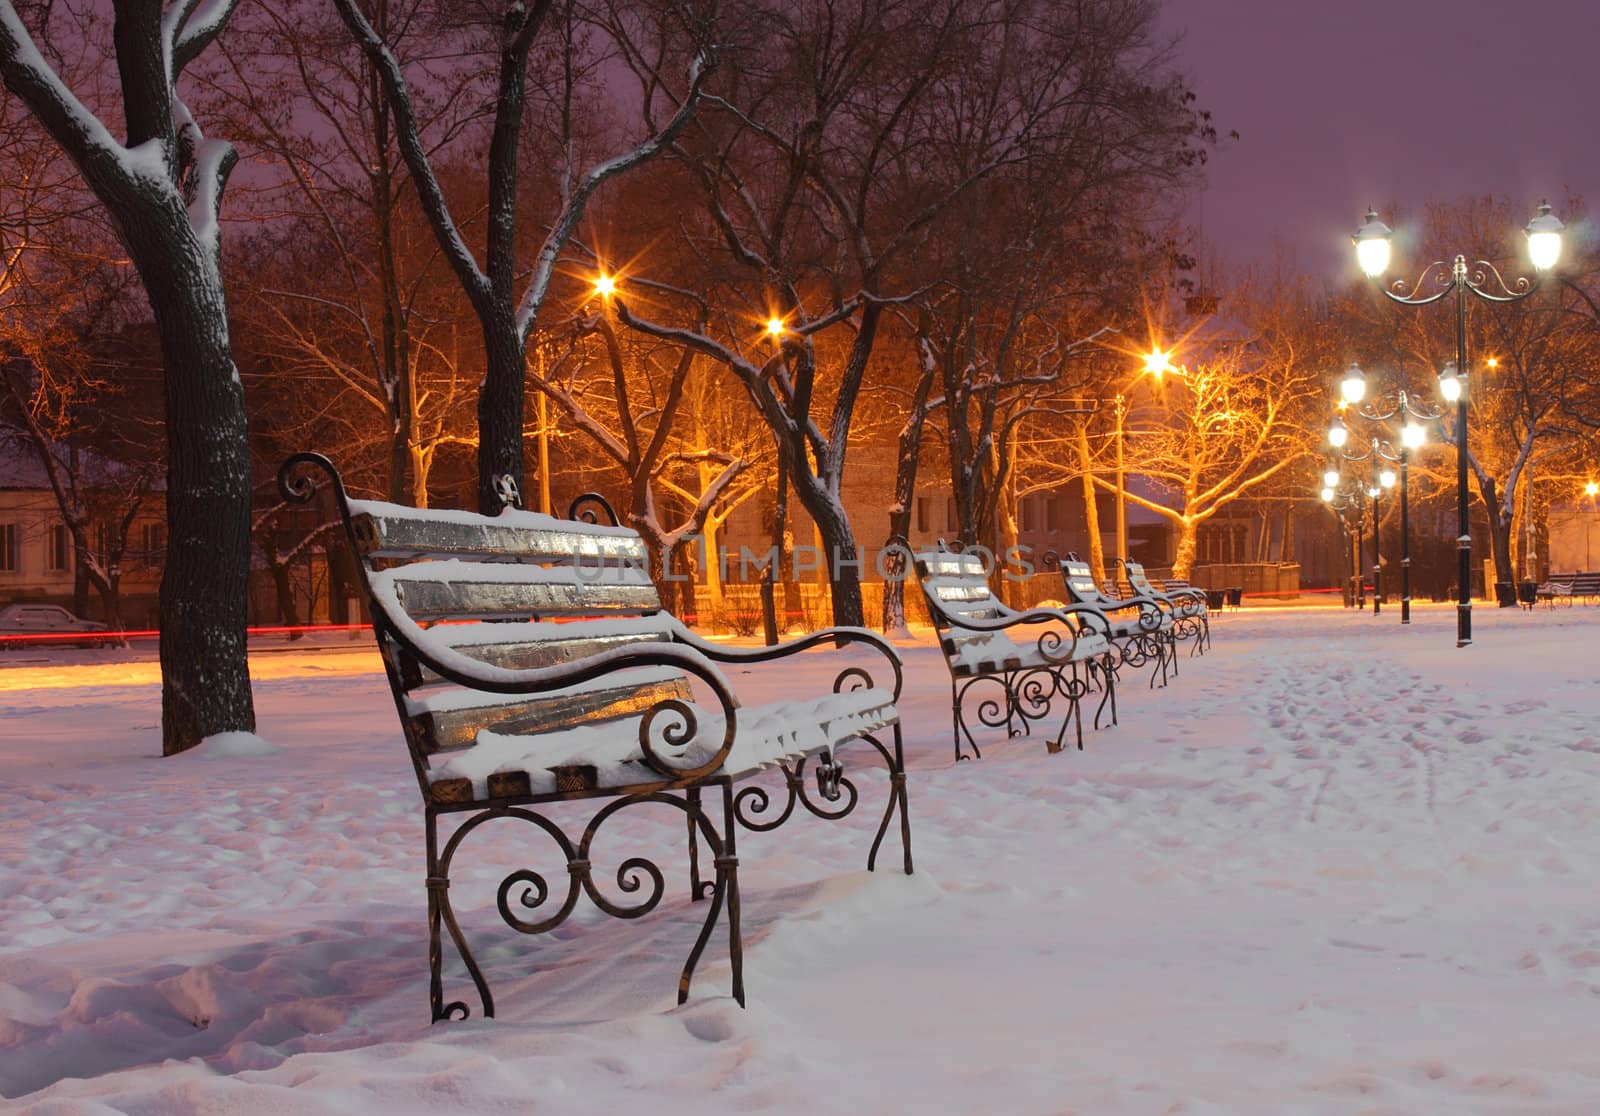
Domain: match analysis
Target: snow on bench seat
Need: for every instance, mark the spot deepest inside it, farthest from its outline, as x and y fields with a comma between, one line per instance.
x=767, y=734
x=991, y=652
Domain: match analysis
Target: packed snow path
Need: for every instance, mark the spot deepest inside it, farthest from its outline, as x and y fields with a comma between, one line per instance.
x=1337, y=867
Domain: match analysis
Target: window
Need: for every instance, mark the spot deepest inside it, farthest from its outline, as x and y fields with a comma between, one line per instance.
x=1054, y=516
x=951, y=523
x=924, y=513
x=153, y=541
x=102, y=542
x=58, y=549
x=1026, y=510
x=8, y=548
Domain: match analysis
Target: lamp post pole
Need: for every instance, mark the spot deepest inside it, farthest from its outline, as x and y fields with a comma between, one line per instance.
x=1361, y=553
x=1458, y=273
x=1122, y=504
x=1377, y=552
x=1405, y=537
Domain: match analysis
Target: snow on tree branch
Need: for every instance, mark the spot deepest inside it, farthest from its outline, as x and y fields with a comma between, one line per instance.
x=80, y=133
x=700, y=68
x=429, y=193
x=191, y=26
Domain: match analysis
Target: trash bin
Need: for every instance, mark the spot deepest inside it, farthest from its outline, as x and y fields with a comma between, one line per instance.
x=1526, y=592
x=1505, y=594
x=1235, y=596
x=1215, y=599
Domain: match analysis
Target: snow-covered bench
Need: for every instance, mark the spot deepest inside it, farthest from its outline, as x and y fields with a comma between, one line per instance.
x=1190, y=618
x=1016, y=683
x=1556, y=586
x=1141, y=629
x=531, y=663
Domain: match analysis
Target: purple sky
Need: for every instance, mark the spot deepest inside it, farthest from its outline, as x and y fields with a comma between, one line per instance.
x=1362, y=102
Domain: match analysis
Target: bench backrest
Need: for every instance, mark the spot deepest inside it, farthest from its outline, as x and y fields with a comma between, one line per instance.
x=956, y=588
x=1137, y=579
x=520, y=591
x=1079, y=580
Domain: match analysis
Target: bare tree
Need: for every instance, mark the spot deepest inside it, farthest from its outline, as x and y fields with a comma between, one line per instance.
x=1250, y=406
x=311, y=109
x=506, y=318
x=628, y=399
x=162, y=189
x=825, y=167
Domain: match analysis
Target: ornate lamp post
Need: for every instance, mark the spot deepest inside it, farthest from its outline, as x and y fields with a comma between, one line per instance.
x=1544, y=249
x=1413, y=435
x=1342, y=495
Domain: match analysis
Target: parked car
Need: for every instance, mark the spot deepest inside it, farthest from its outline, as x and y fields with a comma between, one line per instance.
x=46, y=619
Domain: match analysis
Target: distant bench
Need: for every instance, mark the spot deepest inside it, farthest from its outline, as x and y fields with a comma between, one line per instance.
x=505, y=710
x=1018, y=681
x=1570, y=587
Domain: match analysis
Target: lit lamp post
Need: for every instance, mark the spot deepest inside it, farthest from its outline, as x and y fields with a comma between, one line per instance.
x=1544, y=249
x=1157, y=364
x=1341, y=496
x=1413, y=435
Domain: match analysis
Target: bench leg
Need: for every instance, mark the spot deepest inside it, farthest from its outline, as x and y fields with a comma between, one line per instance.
x=1071, y=687
x=698, y=888
x=1106, y=669
x=442, y=916
x=725, y=890
x=989, y=712
x=897, y=800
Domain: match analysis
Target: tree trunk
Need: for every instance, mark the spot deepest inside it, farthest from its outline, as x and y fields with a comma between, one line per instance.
x=1188, y=533
x=897, y=568
x=80, y=583
x=1499, y=536
x=110, y=591
x=500, y=410
x=711, y=557
x=1091, y=510
x=840, y=558
x=283, y=588
x=774, y=569
x=205, y=677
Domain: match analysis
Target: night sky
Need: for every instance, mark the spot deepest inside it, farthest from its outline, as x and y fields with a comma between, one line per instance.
x=1367, y=102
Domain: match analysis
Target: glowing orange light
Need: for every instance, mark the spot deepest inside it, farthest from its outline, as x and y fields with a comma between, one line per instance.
x=1492, y=362
x=1158, y=363
x=775, y=327
x=1591, y=489
x=605, y=286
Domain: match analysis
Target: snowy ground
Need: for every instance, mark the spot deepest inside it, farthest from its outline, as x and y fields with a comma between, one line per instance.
x=1338, y=867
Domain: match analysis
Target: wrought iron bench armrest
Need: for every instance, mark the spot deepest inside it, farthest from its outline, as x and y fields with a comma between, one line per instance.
x=1049, y=642
x=839, y=637
x=463, y=670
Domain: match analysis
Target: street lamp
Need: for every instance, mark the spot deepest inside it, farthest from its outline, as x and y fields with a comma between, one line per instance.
x=1544, y=249
x=1157, y=363
x=1338, y=433
x=1354, y=384
x=1342, y=496
x=1413, y=436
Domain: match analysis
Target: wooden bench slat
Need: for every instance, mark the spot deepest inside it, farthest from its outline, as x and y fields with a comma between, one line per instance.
x=531, y=646
x=456, y=590
x=450, y=719
x=393, y=531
